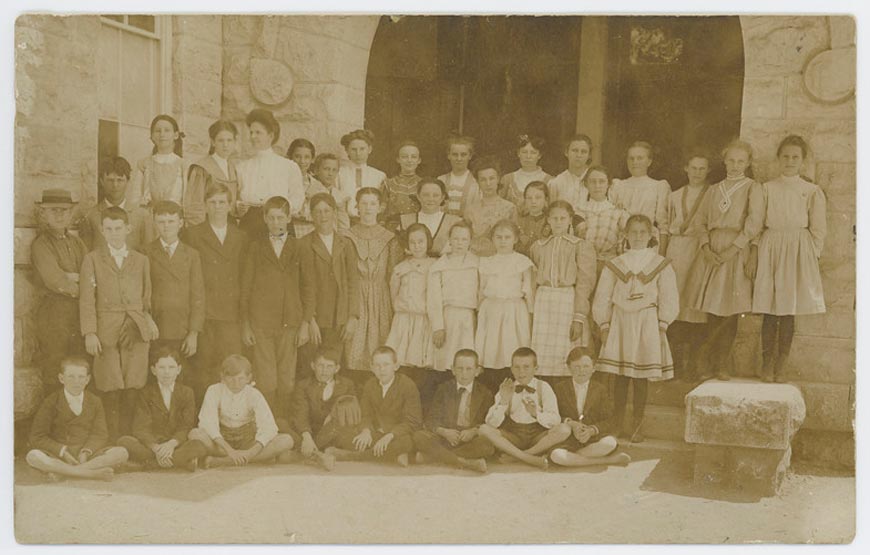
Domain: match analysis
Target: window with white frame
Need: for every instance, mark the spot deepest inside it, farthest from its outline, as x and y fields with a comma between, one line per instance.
x=134, y=79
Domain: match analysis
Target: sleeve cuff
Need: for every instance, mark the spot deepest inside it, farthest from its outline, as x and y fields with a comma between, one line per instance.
x=741, y=241
x=63, y=450
x=604, y=327
x=663, y=325
x=578, y=317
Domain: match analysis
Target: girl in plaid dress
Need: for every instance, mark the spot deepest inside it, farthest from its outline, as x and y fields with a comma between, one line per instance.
x=565, y=279
x=635, y=302
x=401, y=189
x=603, y=223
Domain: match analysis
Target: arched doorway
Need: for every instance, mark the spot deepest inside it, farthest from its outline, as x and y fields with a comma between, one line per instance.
x=676, y=82
x=493, y=78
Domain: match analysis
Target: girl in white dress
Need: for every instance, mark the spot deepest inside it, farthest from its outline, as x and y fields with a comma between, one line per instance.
x=641, y=194
x=513, y=185
x=569, y=185
x=788, y=281
x=506, y=300
x=635, y=302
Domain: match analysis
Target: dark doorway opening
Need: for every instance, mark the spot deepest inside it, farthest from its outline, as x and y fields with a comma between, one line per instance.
x=675, y=82
x=493, y=78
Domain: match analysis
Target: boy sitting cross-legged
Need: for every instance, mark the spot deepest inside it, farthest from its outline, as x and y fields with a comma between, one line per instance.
x=458, y=409
x=588, y=409
x=524, y=422
x=390, y=413
x=235, y=423
x=314, y=406
x=68, y=435
x=165, y=414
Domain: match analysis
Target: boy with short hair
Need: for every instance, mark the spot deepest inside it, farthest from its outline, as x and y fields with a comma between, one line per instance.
x=221, y=245
x=587, y=408
x=177, y=288
x=330, y=259
x=277, y=304
x=114, y=312
x=68, y=435
x=165, y=415
x=524, y=422
x=114, y=177
x=314, y=402
x=57, y=257
x=458, y=409
x=391, y=413
x=235, y=423
x=326, y=167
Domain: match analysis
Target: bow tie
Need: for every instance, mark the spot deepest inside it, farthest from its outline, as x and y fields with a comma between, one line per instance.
x=521, y=388
x=277, y=237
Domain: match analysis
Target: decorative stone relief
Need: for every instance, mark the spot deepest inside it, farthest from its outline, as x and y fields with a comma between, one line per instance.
x=271, y=81
x=654, y=46
x=829, y=75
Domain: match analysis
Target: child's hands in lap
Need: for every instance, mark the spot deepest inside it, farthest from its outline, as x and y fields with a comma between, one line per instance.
x=239, y=458
x=452, y=436
x=308, y=446
x=69, y=459
x=363, y=440
x=467, y=435
x=381, y=446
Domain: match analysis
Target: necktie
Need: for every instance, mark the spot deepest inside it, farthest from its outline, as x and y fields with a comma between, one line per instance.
x=462, y=419
x=359, y=178
x=168, y=250
x=521, y=388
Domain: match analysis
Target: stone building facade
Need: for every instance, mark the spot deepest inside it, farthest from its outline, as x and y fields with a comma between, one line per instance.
x=311, y=71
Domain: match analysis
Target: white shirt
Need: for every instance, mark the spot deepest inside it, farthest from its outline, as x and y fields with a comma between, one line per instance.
x=581, y=391
x=233, y=410
x=570, y=188
x=221, y=233
x=385, y=388
x=432, y=221
x=371, y=177
x=267, y=175
x=110, y=205
x=118, y=254
x=328, y=389
x=75, y=402
x=171, y=247
x=278, y=243
x=222, y=163
x=166, y=393
x=547, y=415
x=458, y=181
x=328, y=240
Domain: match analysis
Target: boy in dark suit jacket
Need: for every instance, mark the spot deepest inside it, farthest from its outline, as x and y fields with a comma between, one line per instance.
x=115, y=317
x=458, y=408
x=165, y=415
x=587, y=408
x=331, y=259
x=314, y=400
x=277, y=305
x=391, y=413
x=221, y=245
x=177, y=289
x=68, y=435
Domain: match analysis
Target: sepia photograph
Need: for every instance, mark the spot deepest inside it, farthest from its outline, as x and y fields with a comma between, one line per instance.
x=377, y=278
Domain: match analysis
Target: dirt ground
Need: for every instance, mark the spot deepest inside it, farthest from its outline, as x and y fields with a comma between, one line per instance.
x=652, y=500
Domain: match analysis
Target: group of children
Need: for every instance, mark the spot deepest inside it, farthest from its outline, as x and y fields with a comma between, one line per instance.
x=309, y=264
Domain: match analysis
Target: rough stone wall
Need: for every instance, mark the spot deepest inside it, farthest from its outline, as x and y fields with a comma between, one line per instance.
x=800, y=78
x=309, y=70
x=55, y=139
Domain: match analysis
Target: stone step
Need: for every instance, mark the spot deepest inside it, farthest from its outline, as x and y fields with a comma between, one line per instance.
x=661, y=422
x=657, y=446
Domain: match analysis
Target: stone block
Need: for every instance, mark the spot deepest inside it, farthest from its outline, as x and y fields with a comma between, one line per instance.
x=205, y=27
x=836, y=178
x=237, y=102
x=831, y=449
x=197, y=58
x=744, y=414
x=196, y=141
x=830, y=140
x=833, y=140
x=840, y=241
x=321, y=59
x=271, y=81
x=236, y=65
x=357, y=30
x=822, y=359
x=196, y=96
x=764, y=97
x=828, y=406
x=835, y=322
x=842, y=30
x=779, y=45
x=241, y=30
x=799, y=103
x=742, y=469
x=29, y=391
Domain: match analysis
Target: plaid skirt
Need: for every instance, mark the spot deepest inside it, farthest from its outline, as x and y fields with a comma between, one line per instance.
x=551, y=329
